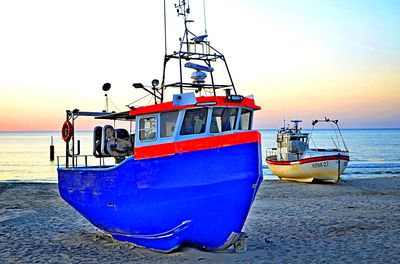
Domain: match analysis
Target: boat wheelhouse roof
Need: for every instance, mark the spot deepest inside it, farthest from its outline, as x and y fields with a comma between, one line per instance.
x=222, y=101
x=291, y=131
x=294, y=135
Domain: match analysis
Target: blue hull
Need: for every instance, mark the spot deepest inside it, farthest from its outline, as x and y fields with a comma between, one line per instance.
x=200, y=197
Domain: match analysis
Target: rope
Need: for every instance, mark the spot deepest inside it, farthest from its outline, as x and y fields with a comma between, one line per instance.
x=367, y=190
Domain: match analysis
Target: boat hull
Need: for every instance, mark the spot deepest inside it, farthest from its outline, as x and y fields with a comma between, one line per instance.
x=200, y=198
x=324, y=168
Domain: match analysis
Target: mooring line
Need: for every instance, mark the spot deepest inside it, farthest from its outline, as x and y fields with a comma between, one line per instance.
x=368, y=190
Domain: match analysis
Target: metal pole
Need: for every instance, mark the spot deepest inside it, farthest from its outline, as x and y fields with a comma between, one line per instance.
x=229, y=74
x=73, y=139
x=67, y=145
x=106, y=102
x=338, y=166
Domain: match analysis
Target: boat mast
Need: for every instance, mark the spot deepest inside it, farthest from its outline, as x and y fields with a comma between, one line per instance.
x=193, y=48
x=165, y=51
x=183, y=11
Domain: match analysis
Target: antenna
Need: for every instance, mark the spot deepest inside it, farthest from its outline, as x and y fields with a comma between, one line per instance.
x=284, y=120
x=296, y=125
x=205, y=20
x=165, y=28
x=181, y=9
x=189, y=51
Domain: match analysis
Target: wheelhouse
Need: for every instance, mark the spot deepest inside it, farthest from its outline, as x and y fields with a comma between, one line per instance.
x=186, y=118
x=208, y=117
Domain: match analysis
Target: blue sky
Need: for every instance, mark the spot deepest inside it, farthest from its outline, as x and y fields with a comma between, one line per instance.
x=306, y=59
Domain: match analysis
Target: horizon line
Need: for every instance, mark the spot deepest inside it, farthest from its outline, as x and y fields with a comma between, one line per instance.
x=354, y=128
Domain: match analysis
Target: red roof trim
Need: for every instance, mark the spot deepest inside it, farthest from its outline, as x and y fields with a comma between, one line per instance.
x=167, y=149
x=308, y=160
x=168, y=106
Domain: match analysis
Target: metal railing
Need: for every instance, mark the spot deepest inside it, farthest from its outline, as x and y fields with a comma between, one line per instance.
x=81, y=161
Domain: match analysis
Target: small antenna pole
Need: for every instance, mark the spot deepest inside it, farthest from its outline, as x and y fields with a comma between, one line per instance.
x=105, y=88
x=165, y=28
x=284, y=120
x=106, y=102
x=205, y=20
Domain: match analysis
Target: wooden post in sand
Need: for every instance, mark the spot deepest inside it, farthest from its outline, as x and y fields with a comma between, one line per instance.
x=51, y=150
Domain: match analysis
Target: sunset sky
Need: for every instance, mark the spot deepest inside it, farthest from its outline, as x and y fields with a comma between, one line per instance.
x=300, y=59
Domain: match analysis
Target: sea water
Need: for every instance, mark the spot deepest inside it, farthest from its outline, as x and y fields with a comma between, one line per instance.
x=25, y=156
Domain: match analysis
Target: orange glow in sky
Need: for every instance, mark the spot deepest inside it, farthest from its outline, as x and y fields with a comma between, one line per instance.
x=300, y=59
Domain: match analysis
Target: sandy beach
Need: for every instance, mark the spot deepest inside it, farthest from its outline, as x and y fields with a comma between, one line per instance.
x=354, y=221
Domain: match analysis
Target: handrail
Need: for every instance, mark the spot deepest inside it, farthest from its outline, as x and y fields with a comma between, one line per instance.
x=75, y=164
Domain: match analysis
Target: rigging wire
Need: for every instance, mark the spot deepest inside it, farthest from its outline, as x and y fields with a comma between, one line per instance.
x=336, y=135
x=151, y=98
x=334, y=143
x=312, y=140
x=340, y=133
x=106, y=106
x=310, y=137
x=137, y=100
x=114, y=105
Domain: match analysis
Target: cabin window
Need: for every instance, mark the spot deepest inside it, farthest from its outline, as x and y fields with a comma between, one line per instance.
x=245, y=120
x=194, y=121
x=168, y=123
x=223, y=119
x=286, y=141
x=148, y=128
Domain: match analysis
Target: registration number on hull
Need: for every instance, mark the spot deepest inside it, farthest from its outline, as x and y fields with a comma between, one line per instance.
x=320, y=164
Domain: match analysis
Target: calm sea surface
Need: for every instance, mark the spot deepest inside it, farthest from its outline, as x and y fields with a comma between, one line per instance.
x=24, y=156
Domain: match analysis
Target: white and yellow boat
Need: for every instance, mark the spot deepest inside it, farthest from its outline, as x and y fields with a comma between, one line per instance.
x=292, y=159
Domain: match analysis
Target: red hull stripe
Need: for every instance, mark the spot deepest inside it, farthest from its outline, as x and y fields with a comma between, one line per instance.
x=309, y=160
x=168, y=106
x=212, y=142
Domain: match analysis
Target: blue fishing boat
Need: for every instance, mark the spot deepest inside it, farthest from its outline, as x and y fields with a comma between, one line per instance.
x=188, y=169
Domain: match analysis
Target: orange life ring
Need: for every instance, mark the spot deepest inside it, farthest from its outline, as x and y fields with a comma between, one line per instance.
x=67, y=131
